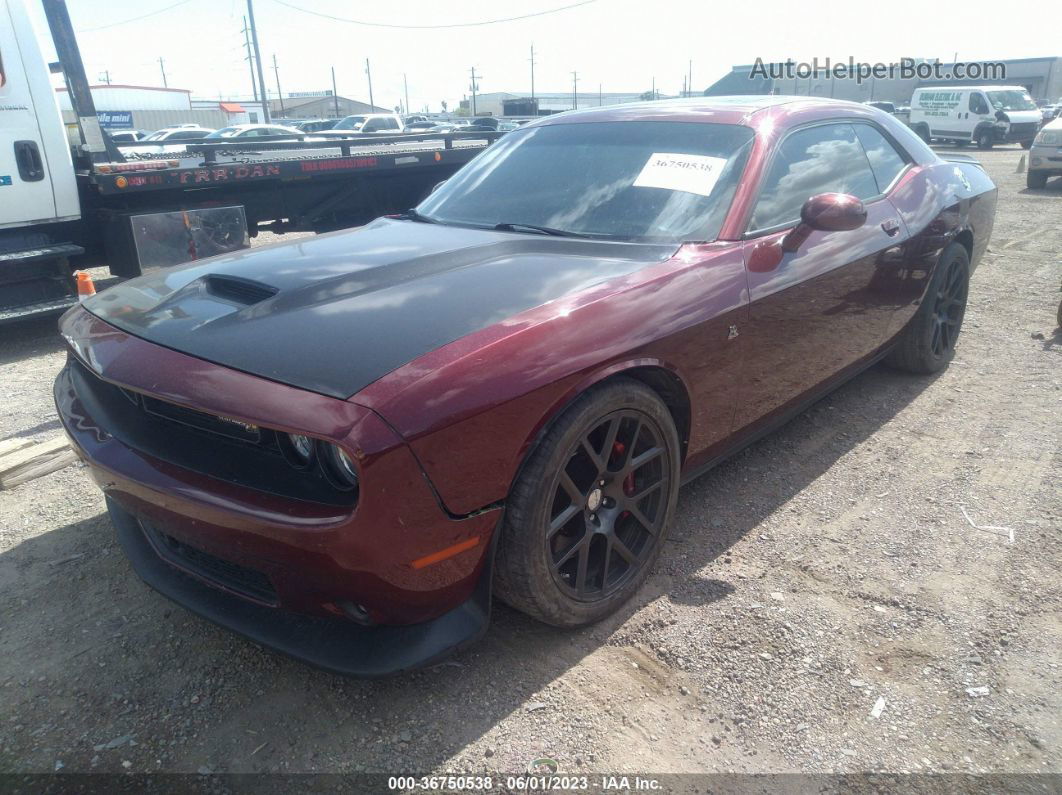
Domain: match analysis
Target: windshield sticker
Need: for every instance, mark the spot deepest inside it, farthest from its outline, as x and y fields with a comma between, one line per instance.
x=686, y=173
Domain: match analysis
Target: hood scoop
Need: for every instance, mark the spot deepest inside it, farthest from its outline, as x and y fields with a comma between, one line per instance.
x=237, y=290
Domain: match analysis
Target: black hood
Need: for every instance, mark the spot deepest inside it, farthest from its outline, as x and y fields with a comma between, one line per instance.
x=335, y=312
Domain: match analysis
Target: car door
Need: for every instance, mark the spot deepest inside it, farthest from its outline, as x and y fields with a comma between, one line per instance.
x=820, y=309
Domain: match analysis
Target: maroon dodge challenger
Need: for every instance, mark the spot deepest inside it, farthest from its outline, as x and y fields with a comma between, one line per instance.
x=341, y=447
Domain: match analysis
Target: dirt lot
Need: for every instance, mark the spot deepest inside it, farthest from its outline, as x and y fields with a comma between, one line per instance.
x=827, y=567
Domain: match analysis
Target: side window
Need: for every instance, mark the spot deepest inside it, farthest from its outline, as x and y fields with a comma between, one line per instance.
x=372, y=125
x=824, y=159
x=392, y=124
x=885, y=161
x=977, y=103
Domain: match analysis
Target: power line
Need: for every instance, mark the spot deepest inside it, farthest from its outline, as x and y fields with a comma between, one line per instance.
x=134, y=19
x=434, y=27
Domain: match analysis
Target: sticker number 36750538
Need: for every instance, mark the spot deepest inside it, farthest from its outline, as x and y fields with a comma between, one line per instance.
x=686, y=173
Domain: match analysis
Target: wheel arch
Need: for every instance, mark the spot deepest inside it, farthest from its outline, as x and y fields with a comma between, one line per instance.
x=660, y=376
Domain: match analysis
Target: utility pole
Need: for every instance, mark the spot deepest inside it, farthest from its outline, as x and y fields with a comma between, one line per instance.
x=689, y=78
x=653, y=95
x=162, y=66
x=532, y=72
x=276, y=71
x=599, y=95
x=575, y=96
x=474, y=89
x=106, y=76
x=405, y=85
x=250, y=58
x=368, y=72
x=258, y=61
x=335, y=94
x=684, y=85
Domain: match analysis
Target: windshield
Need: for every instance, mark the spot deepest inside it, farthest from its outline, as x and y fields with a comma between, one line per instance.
x=349, y=122
x=653, y=181
x=1011, y=100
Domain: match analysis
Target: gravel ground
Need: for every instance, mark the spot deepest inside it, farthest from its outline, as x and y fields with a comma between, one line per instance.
x=822, y=605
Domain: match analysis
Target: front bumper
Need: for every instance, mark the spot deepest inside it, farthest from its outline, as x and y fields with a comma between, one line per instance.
x=1045, y=158
x=285, y=572
x=332, y=644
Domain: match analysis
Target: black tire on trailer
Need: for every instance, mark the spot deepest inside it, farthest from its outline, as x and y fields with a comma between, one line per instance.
x=1037, y=180
x=985, y=138
x=927, y=344
x=587, y=517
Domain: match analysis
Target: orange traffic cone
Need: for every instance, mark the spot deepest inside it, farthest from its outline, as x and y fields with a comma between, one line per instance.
x=85, y=287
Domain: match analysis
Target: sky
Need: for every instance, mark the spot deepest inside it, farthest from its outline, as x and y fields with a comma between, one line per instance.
x=619, y=45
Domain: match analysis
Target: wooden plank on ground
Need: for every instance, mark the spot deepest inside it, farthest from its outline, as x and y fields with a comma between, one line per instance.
x=38, y=467
x=14, y=465
x=11, y=445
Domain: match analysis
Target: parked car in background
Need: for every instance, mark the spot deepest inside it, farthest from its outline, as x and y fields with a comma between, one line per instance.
x=1045, y=156
x=127, y=136
x=1050, y=112
x=255, y=131
x=316, y=125
x=341, y=446
x=888, y=107
x=181, y=132
x=985, y=115
x=367, y=123
x=482, y=124
x=420, y=125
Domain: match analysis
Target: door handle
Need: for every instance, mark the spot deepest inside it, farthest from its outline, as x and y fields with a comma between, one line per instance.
x=28, y=158
x=891, y=227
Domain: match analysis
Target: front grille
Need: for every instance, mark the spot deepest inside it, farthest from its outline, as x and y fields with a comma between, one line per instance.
x=223, y=448
x=1024, y=129
x=247, y=582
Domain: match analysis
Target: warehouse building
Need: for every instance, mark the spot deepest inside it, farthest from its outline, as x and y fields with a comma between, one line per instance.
x=1041, y=77
x=125, y=107
x=319, y=105
x=503, y=103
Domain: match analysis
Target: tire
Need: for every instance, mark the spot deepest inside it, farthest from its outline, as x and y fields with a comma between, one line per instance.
x=985, y=139
x=1026, y=144
x=570, y=551
x=923, y=132
x=927, y=344
x=1037, y=180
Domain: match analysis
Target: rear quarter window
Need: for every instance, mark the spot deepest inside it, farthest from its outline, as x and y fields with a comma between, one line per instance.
x=885, y=161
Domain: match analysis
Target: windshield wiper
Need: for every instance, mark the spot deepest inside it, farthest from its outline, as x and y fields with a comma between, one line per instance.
x=542, y=230
x=413, y=215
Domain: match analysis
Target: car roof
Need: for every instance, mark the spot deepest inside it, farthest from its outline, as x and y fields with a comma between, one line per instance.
x=720, y=110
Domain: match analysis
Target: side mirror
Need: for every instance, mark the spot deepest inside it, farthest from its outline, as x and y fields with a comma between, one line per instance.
x=826, y=212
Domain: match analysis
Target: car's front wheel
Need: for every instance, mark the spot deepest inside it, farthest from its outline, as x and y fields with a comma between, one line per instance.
x=1037, y=180
x=588, y=514
x=985, y=139
x=928, y=342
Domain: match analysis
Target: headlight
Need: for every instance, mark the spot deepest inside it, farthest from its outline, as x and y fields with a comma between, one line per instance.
x=1048, y=138
x=340, y=466
x=298, y=449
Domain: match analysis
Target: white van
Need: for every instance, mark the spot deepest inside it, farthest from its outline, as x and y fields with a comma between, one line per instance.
x=984, y=115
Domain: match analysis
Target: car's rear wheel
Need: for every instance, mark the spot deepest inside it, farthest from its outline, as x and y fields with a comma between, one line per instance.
x=928, y=342
x=588, y=515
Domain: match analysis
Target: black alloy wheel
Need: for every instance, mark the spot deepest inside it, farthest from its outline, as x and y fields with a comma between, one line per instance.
x=588, y=514
x=608, y=505
x=948, y=309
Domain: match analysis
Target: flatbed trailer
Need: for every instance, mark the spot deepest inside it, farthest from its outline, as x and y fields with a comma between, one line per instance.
x=98, y=203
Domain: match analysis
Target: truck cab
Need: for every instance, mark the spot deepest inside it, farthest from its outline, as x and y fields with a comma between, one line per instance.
x=38, y=188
